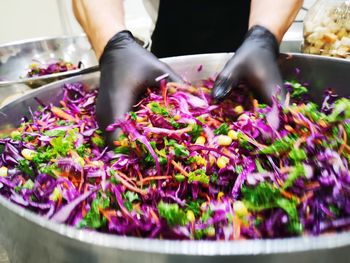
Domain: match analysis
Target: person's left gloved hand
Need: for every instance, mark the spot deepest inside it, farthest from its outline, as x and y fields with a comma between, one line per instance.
x=255, y=64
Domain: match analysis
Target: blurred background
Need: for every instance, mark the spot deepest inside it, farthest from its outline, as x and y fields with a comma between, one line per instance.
x=50, y=18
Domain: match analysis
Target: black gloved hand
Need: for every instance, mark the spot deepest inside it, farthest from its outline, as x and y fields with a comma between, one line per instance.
x=127, y=70
x=255, y=64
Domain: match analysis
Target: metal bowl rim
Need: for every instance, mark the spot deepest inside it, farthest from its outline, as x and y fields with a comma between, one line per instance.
x=44, y=77
x=55, y=75
x=176, y=247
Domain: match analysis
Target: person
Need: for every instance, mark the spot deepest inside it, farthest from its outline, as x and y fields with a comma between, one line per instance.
x=252, y=28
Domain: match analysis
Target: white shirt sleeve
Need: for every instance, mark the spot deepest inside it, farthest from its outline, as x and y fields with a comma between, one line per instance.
x=140, y=17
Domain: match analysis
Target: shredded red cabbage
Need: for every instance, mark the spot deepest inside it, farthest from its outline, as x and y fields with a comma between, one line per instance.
x=36, y=70
x=185, y=168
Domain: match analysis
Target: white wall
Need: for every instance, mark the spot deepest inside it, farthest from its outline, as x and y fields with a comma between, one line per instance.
x=23, y=19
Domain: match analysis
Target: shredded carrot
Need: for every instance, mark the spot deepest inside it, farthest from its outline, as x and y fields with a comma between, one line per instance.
x=179, y=168
x=82, y=126
x=154, y=215
x=128, y=185
x=236, y=222
x=107, y=213
x=63, y=103
x=290, y=128
x=61, y=114
x=127, y=178
x=290, y=196
x=151, y=178
x=299, y=142
x=345, y=140
x=59, y=201
x=139, y=174
x=306, y=196
x=312, y=185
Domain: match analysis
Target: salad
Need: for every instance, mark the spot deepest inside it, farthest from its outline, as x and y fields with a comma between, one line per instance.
x=36, y=69
x=184, y=167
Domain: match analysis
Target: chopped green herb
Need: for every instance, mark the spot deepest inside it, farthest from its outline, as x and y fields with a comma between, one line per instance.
x=122, y=150
x=179, y=177
x=93, y=219
x=214, y=177
x=98, y=140
x=239, y=169
x=55, y=133
x=259, y=166
x=298, y=89
x=24, y=166
x=180, y=150
x=194, y=206
x=266, y=196
x=196, y=131
x=174, y=123
x=341, y=110
x=133, y=115
x=296, y=172
x=29, y=184
x=172, y=213
x=223, y=129
x=279, y=146
x=157, y=109
x=198, y=176
x=130, y=198
x=206, y=215
x=297, y=155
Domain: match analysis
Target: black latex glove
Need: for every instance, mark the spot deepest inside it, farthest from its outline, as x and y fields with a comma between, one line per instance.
x=254, y=64
x=127, y=70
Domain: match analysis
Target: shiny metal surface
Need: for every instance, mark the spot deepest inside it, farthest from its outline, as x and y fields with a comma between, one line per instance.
x=15, y=58
x=30, y=238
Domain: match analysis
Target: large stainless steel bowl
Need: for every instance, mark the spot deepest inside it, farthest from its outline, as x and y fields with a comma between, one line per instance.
x=30, y=238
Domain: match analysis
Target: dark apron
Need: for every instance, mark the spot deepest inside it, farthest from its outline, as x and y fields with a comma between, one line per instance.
x=199, y=26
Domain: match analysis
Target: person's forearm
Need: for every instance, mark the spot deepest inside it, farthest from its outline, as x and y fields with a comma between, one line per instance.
x=275, y=15
x=100, y=19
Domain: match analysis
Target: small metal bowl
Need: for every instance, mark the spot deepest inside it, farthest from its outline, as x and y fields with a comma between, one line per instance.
x=16, y=57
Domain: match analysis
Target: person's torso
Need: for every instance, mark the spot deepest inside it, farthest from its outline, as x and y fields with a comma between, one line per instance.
x=199, y=26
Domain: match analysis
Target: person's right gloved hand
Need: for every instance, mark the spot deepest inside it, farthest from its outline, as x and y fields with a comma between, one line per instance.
x=127, y=70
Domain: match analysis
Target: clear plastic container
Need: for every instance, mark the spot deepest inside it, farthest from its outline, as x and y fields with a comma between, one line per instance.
x=327, y=29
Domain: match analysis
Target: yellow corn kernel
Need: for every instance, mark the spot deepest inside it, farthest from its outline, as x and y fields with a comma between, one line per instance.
x=140, y=119
x=15, y=133
x=240, y=209
x=124, y=142
x=190, y=216
x=200, y=161
x=28, y=154
x=97, y=163
x=224, y=140
x=222, y=162
x=3, y=171
x=212, y=160
x=210, y=231
x=200, y=140
x=233, y=134
x=220, y=195
x=239, y=109
x=56, y=194
x=80, y=161
x=177, y=117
